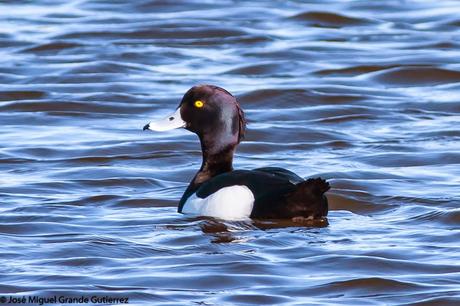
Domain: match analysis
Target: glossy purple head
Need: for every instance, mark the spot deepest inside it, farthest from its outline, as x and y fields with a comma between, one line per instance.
x=210, y=112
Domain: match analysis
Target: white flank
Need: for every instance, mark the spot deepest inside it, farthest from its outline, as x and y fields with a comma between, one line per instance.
x=229, y=203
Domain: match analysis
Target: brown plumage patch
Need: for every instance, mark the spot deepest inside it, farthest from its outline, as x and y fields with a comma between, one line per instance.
x=242, y=123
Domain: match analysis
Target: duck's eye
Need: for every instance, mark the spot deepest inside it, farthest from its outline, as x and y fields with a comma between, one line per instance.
x=199, y=104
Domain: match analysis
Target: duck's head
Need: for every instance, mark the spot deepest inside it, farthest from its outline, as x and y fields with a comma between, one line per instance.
x=210, y=112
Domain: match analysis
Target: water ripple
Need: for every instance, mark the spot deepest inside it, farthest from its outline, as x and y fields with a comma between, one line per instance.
x=364, y=94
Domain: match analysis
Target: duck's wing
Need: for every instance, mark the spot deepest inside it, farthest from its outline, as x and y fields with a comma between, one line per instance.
x=282, y=173
x=259, y=181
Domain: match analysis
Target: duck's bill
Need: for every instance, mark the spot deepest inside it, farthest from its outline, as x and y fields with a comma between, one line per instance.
x=173, y=121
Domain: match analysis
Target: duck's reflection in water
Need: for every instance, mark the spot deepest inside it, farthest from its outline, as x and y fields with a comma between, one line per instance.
x=230, y=231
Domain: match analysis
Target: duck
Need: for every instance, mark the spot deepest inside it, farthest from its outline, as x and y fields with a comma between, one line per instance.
x=219, y=191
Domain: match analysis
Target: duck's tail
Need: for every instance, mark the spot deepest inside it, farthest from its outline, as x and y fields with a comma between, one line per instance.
x=309, y=198
x=316, y=186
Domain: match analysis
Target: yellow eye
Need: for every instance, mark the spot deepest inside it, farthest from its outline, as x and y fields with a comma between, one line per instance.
x=199, y=104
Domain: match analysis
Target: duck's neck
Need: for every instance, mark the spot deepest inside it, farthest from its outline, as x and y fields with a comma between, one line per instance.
x=217, y=159
x=214, y=163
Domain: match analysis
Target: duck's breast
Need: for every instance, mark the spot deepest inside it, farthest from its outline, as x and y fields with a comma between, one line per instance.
x=229, y=203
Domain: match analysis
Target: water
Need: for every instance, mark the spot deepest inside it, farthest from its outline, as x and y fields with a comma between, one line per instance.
x=363, y=93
